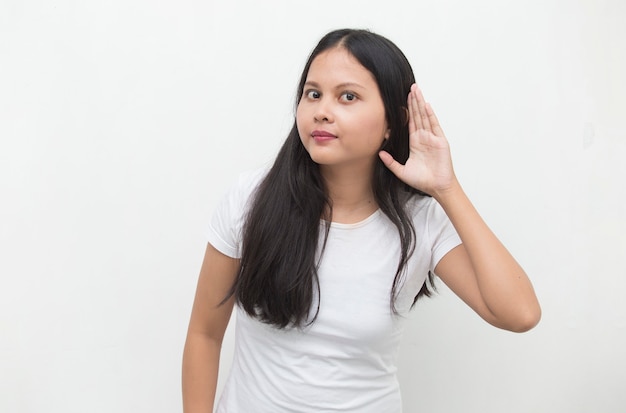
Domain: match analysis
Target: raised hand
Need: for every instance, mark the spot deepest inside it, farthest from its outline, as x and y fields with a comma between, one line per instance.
x=429, y=166
x=481, y=271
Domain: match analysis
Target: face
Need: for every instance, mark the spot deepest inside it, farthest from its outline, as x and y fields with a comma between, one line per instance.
x=341, y=116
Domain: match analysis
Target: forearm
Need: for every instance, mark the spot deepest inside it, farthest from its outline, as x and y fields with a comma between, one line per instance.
x=503, y=284
x=200, y=371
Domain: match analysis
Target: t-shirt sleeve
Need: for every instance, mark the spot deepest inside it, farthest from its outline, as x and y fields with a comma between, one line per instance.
x=226, y=225
x=441, y=232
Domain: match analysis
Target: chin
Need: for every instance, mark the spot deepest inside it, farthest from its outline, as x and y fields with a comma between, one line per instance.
x=321, y=158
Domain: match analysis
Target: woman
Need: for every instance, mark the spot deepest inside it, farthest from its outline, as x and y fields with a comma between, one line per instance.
x=324, y=253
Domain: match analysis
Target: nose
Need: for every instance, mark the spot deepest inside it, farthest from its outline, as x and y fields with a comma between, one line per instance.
x=323, y=112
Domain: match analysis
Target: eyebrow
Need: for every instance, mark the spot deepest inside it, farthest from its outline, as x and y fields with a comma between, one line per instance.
x=339, y=86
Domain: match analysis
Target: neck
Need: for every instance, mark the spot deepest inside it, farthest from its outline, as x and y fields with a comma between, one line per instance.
x=350, y=191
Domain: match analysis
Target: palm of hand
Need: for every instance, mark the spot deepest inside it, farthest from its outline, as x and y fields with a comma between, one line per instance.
x=429, y=166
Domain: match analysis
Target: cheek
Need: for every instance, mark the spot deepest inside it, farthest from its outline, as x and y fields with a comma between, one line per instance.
x=376, y=127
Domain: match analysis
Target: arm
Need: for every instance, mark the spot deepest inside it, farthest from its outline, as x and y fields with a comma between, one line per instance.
x=206, y=331
x=480, y=271
x=483, y=273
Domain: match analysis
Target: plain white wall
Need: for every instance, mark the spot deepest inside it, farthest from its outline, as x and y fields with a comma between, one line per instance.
x=123, y=122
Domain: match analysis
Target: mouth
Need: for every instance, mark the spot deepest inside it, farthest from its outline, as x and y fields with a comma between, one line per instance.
x=322, y=136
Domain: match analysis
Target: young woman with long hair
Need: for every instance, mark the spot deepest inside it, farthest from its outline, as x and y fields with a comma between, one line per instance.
x=325, y=252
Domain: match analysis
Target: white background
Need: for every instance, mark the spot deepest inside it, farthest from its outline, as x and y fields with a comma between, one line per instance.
x=123, y=122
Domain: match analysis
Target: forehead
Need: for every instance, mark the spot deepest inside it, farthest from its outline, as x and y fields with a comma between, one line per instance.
x=340, y=66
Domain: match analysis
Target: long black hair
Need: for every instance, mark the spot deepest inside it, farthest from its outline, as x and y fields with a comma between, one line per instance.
x=277, y=281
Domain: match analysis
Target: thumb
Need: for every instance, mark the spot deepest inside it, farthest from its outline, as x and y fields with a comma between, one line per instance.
x=393, y=165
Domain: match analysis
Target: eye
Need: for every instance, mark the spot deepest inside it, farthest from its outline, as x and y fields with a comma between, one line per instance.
x=348, y=96
x=312, y=94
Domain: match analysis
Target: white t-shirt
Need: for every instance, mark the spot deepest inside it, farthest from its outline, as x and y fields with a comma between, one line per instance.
x=345, y=361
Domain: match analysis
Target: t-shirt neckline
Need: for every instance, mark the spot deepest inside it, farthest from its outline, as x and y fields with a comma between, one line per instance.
x=359, y=224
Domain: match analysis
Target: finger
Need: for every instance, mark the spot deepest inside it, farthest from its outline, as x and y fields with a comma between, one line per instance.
x=415, y=120
x=394, y=166
x=421, y=104
x=434, y=121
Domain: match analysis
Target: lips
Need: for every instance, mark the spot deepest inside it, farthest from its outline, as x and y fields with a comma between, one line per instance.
x=322, y=136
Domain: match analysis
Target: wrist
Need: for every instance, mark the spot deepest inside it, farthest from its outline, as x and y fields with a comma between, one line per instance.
x=449, y=193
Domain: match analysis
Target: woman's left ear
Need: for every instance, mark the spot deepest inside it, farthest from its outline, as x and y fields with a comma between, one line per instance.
x=387, y=134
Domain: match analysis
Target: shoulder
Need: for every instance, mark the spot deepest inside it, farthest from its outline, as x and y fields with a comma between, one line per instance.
x=429, y=218
x=228, y=218
x=419, y=206
x=242, y=189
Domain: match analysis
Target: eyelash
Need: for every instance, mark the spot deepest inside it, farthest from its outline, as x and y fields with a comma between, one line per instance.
x=349, y=94
x=309, y=93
